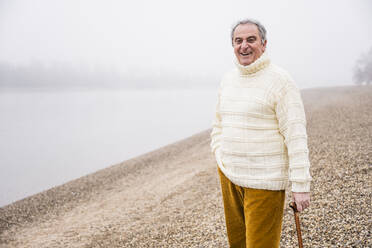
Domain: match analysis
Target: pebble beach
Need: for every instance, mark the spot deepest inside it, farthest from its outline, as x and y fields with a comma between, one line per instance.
x=171, y=197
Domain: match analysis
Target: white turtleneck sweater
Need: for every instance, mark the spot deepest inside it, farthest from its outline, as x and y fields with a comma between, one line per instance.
x=259, y=133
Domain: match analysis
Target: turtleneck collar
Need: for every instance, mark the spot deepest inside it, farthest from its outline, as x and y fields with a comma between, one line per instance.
x=262, y=62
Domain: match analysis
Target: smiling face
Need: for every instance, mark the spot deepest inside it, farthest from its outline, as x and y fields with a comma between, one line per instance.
x=247, y=43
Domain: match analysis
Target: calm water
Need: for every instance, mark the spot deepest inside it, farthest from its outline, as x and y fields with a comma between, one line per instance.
x=49, y=138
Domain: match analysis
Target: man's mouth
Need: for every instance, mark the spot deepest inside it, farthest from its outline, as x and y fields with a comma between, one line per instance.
x=246, y=54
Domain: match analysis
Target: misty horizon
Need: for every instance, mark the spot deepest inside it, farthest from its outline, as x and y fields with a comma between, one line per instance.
x=66, y=76
x=157, y=44
x=63, y=75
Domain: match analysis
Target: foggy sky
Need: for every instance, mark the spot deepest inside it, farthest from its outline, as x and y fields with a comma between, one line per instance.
x=317, y=41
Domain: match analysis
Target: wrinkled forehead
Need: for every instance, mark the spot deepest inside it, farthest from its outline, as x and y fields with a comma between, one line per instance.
x=246, y=30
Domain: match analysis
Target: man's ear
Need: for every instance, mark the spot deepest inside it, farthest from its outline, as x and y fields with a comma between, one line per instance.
x=264, y=45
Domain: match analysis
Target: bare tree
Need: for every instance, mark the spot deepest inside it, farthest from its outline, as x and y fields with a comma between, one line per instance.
x=363, y=69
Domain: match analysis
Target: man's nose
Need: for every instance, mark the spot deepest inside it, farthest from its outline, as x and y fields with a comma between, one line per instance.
x=244, y=44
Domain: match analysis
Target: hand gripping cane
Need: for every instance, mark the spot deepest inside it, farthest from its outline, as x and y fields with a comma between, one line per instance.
x=297, y=220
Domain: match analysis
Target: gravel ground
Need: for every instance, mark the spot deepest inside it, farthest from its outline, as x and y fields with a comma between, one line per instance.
x=171, y=197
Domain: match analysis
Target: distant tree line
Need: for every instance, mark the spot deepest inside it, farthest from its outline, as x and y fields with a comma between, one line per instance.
x=363, y=69
x=37, y=75
x=60, y=75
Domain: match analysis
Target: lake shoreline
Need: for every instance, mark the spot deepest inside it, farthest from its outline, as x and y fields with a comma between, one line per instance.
x=170, y=197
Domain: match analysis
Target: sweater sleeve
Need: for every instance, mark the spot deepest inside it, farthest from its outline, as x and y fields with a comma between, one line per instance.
x=292, y=125
x=216, y=127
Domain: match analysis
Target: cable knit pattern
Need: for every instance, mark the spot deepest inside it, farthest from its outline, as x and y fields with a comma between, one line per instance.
x=259, y=132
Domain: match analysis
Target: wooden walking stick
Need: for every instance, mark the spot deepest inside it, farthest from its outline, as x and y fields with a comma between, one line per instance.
x=297, y=220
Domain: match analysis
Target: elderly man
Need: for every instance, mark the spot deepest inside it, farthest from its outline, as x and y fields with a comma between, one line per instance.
x=259, y=141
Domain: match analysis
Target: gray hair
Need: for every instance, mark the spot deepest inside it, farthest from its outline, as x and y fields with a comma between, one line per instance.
x=260, y=27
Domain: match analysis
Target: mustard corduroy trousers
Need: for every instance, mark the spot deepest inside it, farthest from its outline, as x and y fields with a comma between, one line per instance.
x=253, y=216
